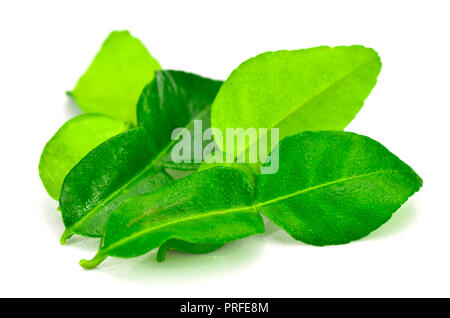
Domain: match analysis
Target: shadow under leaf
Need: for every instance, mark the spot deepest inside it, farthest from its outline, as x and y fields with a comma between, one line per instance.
x=180, y=267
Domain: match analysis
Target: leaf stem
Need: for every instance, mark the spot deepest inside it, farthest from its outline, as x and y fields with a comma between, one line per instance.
x=65, y=236
x=161, y=255
x=90, y=264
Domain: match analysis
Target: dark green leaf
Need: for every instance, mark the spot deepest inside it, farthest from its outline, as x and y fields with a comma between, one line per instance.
x=334, y=187
x=175, y=99
x=117, y=169
x=201, y=211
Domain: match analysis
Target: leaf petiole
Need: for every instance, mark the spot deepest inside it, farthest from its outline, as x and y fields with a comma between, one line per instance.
x=67, y=234
x=94, y=262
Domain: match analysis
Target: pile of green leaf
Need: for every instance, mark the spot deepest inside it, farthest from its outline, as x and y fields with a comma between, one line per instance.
x=109, y=167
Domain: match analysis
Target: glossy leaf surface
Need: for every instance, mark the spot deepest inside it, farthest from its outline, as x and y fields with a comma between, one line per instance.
x=334, y=187
x=176, y=99
x=113, y=82
x=119, y=168
x=211, y=207
x=70, y=144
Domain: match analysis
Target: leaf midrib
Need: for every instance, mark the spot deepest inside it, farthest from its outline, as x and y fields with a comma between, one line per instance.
x=326, y=88
x=177, y=221
x=323, y=185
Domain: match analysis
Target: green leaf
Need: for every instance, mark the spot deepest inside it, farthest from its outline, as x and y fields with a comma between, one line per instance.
x=209, y=208
x=334, y=187
x=176, y=99
x=119, y=168
x=116, y=77
x=321, y=88
x=130, y=164
x=70, y=144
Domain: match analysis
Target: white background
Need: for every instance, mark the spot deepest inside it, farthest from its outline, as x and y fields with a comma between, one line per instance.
x=46, y=45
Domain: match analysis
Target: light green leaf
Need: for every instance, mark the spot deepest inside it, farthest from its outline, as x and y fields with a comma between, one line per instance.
x=70, y=144
x=113, y=82
x=321, y=88
x=198, y=213
x=334, y=187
